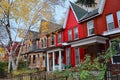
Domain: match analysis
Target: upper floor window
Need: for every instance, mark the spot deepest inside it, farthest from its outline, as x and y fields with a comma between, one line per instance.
x=76, y=33
x=59, y=37
x=90, y=26
x=69, y=35
x=52, y=40
x=110, y=22
x=45, y=42
x=118, y=16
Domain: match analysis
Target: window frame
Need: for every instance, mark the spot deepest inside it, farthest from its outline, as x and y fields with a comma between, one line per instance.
x=68, y=56
x=52, y=40
x=114, y=55
x=118, y=17
x=89, y=28
x=77, y=55
x=112, y=18
x=59, y=37
x=76, y=29
x=69, y=34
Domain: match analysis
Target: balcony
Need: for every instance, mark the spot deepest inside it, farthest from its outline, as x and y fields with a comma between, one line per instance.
x=111, y=32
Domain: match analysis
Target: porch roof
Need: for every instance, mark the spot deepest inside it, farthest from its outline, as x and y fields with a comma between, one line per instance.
x=89, y=40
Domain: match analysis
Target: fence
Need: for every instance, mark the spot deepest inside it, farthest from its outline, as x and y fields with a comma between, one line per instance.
x=112, y=73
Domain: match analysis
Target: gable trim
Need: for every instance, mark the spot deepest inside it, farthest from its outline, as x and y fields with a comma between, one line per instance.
x=74, y=12
x=66, y=18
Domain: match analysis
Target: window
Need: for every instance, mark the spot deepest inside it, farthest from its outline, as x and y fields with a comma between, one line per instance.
x=110, y=22
x=34, y=59
x=59, y=38
x=76, y=33
x=90, y=27
x=116, y=58
x=52, y=40
x=77, y=56
x=118, y=16
x=68, y=60
x=69, y=35
x=45, y=42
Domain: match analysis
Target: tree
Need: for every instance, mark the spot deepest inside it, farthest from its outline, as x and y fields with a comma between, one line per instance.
x=17, y=17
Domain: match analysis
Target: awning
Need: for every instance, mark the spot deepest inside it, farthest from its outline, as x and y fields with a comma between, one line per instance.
x=89, y=40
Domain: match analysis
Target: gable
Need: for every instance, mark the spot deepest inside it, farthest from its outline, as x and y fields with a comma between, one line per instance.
x=70, y=19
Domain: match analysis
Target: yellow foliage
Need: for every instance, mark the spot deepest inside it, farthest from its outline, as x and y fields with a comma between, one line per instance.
x=2, y=50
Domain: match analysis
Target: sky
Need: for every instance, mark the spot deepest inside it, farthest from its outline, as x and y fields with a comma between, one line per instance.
x=61, y=10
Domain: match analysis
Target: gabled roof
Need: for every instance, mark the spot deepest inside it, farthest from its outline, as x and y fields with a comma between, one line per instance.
x=89, y=14
x=94, y=13
x=78, y=11
x=49, y=27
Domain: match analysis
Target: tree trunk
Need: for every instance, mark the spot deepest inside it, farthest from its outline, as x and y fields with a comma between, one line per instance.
x=9, y=65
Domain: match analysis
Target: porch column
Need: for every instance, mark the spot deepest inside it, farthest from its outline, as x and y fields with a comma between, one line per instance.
x=31, y=59
x=53, y=55
x=60, y=61
x=47, y=61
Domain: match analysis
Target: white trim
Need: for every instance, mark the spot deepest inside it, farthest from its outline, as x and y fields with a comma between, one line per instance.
x=66, y=18
x=101, y=6
x=88, y=41
x=110, y=19
x=100, y=11
x=118, y=18
x=54, y=50
x=113, y=31
x=74, y=13
x=92, y=21
x=78, y=55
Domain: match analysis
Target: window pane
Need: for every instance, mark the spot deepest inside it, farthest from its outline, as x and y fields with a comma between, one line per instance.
x=52, y=40
x=75, y=32
x=110, y=22
x=110, y=26
x=59, y=38
x=69, y=35
x=77, y=55
x=90, y=26
x=68, y=61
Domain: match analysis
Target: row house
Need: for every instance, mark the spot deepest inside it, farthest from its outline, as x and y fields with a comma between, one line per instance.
x=99, y=28
x=84, y=32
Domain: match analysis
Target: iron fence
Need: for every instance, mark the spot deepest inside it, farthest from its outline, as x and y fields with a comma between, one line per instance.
x=112, y=73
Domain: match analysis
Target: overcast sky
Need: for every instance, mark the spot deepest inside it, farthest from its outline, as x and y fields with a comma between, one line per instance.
x=61, y=10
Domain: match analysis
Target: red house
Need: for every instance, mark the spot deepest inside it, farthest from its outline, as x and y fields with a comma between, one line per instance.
x=73, y=32
x=100, y=27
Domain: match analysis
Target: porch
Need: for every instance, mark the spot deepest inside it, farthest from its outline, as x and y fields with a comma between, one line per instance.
x=93, y=45
x=54, y=60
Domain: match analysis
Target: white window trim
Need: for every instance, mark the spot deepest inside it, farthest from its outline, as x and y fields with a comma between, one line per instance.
x=67, y=63
x=61, y=38
x=88, y=27
x=118, y=18
x=77, y=32
x=51, y=41
x=107, y=22
x=70, y=35
x=75, y=55
x=115, y=55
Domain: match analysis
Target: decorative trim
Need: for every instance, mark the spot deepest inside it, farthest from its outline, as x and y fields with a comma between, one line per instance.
x=90, y=40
